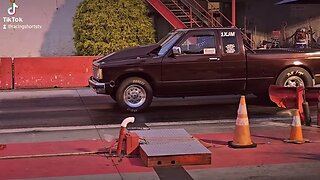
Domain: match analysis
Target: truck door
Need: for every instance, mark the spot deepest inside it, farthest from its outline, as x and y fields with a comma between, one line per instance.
x=233, y=61
x=201, y=68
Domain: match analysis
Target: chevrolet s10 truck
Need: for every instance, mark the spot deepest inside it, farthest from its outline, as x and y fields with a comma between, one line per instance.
x=196, y=62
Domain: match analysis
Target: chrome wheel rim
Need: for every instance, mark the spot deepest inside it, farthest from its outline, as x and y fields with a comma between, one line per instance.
x=294, y=81
x=134, y=96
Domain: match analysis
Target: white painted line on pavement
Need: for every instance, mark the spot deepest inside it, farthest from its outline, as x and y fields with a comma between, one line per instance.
x=276, y=124
x=65, y=128
x=91, y=127
x=56, y=109
x=214, y=121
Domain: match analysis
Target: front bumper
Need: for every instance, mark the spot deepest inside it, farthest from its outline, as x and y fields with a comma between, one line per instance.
x=98, y=87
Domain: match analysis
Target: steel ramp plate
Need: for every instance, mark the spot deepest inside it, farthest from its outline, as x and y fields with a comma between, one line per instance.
x=163, y=147
x=175, y=148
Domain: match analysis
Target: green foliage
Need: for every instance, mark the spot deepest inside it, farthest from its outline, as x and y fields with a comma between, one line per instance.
x=105, y=26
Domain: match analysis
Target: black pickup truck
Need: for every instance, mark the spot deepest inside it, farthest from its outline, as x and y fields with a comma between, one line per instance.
x=196, y=62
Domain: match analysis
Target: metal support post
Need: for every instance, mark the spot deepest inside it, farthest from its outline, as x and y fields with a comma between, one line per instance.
x=318, y=117
x=233, y=13
x=300, y=95
x=122, y=133
x=307, y=114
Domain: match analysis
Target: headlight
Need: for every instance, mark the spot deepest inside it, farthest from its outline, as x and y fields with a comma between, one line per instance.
x=99, y=74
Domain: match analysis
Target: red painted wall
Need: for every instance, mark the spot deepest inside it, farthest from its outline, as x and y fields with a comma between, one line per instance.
x=5, y=73
x=48, y=72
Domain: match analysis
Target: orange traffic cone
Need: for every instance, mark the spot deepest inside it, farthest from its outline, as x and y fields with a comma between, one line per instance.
x=296, y=130
x=242, y=137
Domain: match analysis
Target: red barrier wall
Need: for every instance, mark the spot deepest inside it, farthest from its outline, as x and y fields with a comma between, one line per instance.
x=47, y=72
x=5, y=73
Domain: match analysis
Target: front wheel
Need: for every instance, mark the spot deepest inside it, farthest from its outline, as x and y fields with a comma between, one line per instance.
x=294, y=77
x=113, y=96
x=134, y=94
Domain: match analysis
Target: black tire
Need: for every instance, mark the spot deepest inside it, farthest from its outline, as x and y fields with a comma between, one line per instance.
x=293, y=77
x=113, y=96
x=134, y=94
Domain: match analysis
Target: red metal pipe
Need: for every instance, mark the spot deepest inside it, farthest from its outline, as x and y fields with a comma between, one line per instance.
x=190, y=17
x=120, y=141
x=300, y=94
x=123, y=133
x=318, y=119
x=233, y=13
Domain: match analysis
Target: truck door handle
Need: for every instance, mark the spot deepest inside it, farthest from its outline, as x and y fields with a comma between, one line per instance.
x=214, y=59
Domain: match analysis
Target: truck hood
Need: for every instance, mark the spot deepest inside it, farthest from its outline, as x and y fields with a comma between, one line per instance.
x=130, y=53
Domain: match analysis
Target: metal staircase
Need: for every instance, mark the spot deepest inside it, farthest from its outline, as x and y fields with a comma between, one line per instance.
x=167, y=13
x=188, y=14
x=184, y=13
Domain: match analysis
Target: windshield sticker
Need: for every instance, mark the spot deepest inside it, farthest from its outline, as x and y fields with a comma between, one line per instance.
x=209, y=51
x=230, y=49
x=228, y=34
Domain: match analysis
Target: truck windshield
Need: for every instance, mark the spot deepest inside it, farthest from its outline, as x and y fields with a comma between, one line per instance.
x=168, y=41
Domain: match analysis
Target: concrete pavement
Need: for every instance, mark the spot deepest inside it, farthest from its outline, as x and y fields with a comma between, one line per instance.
x=271, y=159
x=82, y=107
x=60, y=134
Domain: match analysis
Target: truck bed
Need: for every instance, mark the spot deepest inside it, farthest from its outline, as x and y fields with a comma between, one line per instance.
x=285, y=51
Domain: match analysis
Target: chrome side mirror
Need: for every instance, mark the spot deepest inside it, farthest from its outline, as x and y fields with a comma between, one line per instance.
x=176, y=50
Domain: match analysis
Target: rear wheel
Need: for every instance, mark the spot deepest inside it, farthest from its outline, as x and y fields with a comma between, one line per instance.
x=134, y=94
x=294, y=77
x=290, y=77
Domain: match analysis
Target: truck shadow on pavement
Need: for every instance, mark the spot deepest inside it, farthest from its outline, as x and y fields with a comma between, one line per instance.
x=102, y=110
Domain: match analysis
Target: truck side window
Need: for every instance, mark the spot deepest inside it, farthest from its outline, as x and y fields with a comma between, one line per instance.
x=229, y=42
x=199, y=44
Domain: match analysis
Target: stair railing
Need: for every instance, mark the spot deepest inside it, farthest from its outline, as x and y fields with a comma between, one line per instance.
x=166, y=13
x=192, y=21
x=203, y=13
x=251, y=42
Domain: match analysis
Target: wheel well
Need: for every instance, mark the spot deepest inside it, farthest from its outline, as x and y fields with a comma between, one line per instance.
x=139, y=74
x=303, y=67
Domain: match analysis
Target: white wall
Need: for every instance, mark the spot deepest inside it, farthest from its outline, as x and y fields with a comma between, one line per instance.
x=54, y=38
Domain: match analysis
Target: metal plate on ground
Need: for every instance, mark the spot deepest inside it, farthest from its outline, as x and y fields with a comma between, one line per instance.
x=164, y=133
x=160, y=136
x=163, y=147
x=175, y=148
